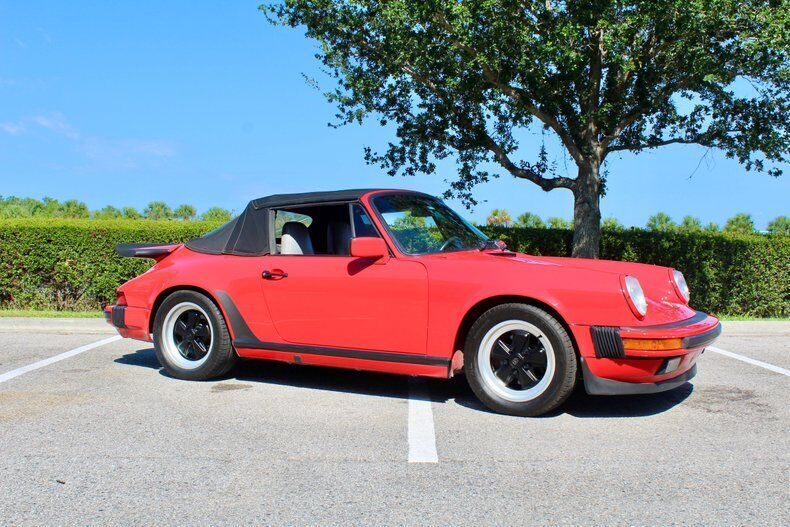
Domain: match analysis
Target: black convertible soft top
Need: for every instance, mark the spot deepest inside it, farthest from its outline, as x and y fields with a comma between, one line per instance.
x=248, y=233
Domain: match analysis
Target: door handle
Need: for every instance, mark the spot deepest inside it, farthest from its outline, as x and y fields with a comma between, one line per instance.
x=268, y=275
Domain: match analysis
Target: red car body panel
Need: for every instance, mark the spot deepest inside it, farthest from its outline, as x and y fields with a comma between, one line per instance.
x=408, y=313
x=349, y=302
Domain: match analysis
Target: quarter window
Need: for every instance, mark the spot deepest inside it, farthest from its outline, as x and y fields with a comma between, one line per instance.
x=363, y=225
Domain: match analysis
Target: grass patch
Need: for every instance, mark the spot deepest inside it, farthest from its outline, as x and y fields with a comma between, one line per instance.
x=35, y=313
x=752, y=319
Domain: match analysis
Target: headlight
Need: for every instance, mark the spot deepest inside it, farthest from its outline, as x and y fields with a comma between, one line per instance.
x=681, y=285
x=635, y=296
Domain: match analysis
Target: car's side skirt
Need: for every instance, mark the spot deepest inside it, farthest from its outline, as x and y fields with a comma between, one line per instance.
x=342, y=352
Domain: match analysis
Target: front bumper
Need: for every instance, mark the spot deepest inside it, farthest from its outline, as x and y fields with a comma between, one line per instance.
x=644, y=359
x=131, y=322
x=595, y=385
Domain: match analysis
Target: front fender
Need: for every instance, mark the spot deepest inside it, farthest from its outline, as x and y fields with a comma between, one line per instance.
x=581, y=297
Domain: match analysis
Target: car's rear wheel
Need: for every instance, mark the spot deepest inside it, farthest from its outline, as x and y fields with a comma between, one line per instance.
x=191, y=338
x=520, y=360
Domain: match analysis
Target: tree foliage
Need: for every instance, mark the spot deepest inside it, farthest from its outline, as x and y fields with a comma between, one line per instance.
x=15, y=207
x=499, y=218
x=530, y=220
x=158, y=210
x=611, y=224
x=464, y=79
x=780, y=225
x=108, y=213
x=73, y=208
x=660, y=222
x=130, y=213
x=741, y=223
x=556, y=222
x=690, y=224
x=185, y=212
x=216, y=214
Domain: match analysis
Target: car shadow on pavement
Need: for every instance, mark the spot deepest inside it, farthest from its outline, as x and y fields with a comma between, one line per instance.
x=455, y=390
x=582, y=405
x=322, y=378
x=145, y=358
x=298, y=376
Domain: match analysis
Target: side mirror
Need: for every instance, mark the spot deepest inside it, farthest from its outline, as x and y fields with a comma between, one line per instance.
x=369, y=247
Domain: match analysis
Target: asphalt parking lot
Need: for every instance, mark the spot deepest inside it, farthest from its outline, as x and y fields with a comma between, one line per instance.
x=103, y=436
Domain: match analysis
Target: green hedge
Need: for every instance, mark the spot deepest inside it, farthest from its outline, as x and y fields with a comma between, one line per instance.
x=71, y=264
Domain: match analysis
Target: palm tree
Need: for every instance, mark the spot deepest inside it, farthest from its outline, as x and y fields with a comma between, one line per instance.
x=499, y=218
x=780, y=225
x=555, y=222
x=158, y=210
x=661, y=222
x=130, y=213
x=185, y=212
x=741, y=223
x=690, y=224
x=216, y=214
x=530, y=220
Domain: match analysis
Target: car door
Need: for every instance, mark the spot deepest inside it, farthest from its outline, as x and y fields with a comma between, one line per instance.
x=339, y=301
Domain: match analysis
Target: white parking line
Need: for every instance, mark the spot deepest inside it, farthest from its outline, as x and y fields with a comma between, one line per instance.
x=759, y=363
x=422, y=437
x=7, y=376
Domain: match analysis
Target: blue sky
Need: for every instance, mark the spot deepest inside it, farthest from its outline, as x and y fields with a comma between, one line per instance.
x=204, y=102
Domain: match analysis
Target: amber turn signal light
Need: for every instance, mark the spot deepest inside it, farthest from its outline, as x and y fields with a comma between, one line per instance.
x=652, y=344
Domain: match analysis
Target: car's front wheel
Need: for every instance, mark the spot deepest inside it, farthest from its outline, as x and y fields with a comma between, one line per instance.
x=520, y=360
x=191, y=338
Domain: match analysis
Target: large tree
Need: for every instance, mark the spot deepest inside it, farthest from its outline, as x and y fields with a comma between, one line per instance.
x=466, y=78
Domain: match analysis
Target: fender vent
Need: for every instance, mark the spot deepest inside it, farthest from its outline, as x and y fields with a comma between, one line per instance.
x=607, y=342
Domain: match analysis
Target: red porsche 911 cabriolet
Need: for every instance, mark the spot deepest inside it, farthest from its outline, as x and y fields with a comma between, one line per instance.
x=395, y=281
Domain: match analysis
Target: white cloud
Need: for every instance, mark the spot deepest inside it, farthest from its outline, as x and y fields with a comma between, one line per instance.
x=46, y=37
x=54, y=122
x=125, y=153
x=13, y=128
x=57, y=123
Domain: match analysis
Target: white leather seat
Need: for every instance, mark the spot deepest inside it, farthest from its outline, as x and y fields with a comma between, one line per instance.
x=338, y=237
x=295, y=239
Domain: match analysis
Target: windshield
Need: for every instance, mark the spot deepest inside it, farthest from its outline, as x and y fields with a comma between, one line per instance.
x=421, y=224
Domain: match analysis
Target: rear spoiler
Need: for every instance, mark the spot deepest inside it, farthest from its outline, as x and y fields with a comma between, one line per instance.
x=146, y=250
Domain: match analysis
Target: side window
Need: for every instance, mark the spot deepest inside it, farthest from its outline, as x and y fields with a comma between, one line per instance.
x=281, y=217
x=320, y=230
x=363, y=225
x=284, y=216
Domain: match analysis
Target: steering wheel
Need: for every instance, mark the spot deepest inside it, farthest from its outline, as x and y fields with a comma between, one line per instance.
x=450, y=240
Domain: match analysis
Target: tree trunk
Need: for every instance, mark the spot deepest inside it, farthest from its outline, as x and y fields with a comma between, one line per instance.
x=587, y=212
